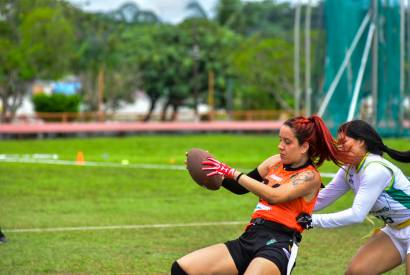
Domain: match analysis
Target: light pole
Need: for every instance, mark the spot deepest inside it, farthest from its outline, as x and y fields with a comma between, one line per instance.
x=296, y=65
x=308, y=88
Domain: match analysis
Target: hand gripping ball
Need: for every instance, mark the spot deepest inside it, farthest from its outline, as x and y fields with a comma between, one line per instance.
x=195, y=157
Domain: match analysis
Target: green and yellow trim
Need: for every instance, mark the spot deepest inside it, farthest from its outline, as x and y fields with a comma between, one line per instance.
x=360, y=165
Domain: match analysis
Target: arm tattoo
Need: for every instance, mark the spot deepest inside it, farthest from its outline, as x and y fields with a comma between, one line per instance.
x=303, y=177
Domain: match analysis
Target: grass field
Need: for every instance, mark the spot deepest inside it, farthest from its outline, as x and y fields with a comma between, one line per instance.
x=43, y=196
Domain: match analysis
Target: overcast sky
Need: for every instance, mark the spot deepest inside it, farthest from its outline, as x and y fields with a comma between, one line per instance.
x=168, y=10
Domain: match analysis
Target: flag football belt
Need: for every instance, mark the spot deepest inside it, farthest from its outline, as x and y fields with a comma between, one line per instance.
x=295, y=236
x=395, y=226
x=401, y=225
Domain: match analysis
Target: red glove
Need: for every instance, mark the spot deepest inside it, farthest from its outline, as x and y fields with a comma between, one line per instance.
x=217, y=167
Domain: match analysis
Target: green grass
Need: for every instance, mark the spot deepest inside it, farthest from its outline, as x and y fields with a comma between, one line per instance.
x=49, y=196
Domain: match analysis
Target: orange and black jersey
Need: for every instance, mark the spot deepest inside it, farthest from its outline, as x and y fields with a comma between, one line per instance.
x=284, y=213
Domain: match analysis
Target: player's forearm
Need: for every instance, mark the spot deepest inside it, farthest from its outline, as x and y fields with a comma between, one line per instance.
x=271, y=195
x=233, y=186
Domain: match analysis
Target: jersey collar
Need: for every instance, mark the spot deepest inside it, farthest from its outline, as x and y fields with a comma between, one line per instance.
x=362, y=162
x=287, y=167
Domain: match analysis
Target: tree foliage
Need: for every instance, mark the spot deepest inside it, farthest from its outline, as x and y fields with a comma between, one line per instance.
x=36, y=41
x=47, y=42
x=120, y=51
x=270, y=82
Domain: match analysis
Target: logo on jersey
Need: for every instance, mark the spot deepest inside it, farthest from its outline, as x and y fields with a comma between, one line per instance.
x=261, y=206
x=274, y=177
x=349, y=179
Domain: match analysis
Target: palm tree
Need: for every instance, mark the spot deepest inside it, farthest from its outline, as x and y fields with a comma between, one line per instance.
x=126, y=12
x=228, y=11
x=129, y=12
x=196, y=10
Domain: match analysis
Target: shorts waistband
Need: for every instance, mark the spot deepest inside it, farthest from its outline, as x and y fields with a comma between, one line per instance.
x=277, y=227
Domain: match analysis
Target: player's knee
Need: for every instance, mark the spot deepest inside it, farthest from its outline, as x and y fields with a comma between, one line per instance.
x=356, y=269
x=176, y=269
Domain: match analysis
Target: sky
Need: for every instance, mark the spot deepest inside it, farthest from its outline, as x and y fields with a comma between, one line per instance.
x=172, y=11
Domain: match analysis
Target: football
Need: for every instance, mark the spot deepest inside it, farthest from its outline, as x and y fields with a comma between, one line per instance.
x=195, y=157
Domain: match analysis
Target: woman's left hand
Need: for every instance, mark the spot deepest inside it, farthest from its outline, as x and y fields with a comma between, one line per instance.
x=216, y=167
x=305, y=220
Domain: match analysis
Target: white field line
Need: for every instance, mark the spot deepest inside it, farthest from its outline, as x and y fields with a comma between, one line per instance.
x=110, y=164
x=327, y=175
x=93, y=164
x=115, y=227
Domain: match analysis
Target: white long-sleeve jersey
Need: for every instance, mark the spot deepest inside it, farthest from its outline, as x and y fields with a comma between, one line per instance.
x=380, y=189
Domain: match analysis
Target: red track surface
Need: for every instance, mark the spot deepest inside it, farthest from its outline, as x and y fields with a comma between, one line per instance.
x=140, y=127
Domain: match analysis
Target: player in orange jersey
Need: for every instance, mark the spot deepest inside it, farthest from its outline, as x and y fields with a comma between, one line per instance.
x=286, y=185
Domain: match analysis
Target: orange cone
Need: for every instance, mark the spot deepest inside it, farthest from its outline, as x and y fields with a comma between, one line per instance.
x=80, y=158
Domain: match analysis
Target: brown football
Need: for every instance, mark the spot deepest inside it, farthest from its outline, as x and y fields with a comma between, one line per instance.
x=195, y=157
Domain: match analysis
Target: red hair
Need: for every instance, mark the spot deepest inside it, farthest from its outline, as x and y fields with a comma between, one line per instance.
x=322, y=145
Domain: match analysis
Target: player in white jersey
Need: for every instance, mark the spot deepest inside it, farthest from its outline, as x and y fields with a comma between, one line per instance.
x=380, y=189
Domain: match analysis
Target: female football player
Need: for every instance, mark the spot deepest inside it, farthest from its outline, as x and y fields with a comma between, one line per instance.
x=286, y=185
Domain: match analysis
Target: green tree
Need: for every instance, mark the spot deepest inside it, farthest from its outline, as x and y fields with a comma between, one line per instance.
x=266, y=18
x=163, y=60
x=164, y=70
x=269, y=84
x=260, y=22
x=229, y=12
x=36, y=41
x=47, y=42
x=141, y=56
x=97, y=38
x=108, y=55
x=213, y=44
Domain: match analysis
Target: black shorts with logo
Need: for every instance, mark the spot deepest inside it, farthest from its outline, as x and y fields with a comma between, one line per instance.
x=265, y=241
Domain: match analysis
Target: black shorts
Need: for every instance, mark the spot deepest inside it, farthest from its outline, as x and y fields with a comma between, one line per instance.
x=261, y=241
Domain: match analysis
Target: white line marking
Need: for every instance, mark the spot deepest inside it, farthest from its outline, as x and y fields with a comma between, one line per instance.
x=111, y=164
x=327, y=175
x=95, y=164
x=113, y=227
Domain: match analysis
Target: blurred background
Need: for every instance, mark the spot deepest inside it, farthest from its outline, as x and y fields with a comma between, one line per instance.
x=209, y=60
x=100, y=100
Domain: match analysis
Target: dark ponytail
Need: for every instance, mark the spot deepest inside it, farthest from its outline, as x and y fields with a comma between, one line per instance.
x=402, y=156
x=361, y=130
